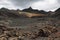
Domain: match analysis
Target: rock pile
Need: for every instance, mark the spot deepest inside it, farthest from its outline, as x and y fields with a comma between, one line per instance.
x=19, y=34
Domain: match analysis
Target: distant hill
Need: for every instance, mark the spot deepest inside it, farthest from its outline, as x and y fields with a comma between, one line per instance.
x=28, y=12
x=4, y=12
x=8, y=13
x=34, y=10
x=57, y=13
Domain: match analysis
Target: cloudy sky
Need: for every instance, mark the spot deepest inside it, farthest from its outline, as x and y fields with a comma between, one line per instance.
x=47, y=5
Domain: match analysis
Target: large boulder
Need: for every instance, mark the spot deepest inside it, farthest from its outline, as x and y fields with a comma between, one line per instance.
x=46, y=31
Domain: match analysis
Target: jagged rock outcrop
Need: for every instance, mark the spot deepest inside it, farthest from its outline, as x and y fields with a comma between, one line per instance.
x=34, y=11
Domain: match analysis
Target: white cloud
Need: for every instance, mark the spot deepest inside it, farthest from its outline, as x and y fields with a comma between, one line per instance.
x=6, y=4
x=46, y=5
x=41, y=5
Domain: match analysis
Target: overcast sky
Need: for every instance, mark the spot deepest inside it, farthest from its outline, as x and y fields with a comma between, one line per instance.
x=47, y=5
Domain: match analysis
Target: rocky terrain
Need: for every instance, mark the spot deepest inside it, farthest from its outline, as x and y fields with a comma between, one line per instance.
x=29, y=24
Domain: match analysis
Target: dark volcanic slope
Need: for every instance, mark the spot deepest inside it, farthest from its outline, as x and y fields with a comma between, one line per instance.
x=57, y=13
x=4, y=12
x=8, y=13
x=15, y=13
x=34, y=10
